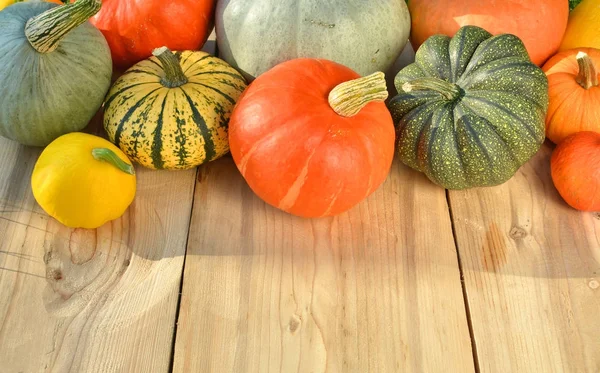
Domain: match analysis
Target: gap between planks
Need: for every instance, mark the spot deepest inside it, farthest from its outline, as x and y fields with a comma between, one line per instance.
x=463, y=286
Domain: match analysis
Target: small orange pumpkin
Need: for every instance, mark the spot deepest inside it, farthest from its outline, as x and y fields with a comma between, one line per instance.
x=574, y=93
x=313, y=138
x=575, y=167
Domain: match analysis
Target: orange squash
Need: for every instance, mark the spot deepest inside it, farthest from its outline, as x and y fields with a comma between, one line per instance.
x=575, y=167
x=540, y=24
x=574, y=93
x=313, y=138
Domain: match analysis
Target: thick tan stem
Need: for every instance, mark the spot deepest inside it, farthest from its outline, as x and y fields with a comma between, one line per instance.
x=588, y=75
x=348, y=98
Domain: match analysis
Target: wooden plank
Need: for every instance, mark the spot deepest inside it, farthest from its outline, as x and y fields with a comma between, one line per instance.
x=100, y=300
x=373, y=290
x=89, y=300
x=531, y=267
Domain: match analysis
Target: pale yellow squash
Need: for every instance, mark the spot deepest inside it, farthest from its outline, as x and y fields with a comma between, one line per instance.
x=83, y=181
x=583, y=29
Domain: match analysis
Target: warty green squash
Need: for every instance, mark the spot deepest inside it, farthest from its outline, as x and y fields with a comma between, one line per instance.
x=172, y=110
x=55, y=69
x=471, y=109
x=364, y=35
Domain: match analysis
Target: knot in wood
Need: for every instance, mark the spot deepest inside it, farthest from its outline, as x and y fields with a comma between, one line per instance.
x=294, y=324
x=517, y=233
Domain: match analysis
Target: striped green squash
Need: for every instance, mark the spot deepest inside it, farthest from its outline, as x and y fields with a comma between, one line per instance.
x=470, y=110
x=172, y=110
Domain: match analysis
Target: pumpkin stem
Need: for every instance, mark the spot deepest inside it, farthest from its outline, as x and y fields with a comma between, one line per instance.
x=348, y=98
x=588, y=75
x=450, y=91
x=107, y=155
x=45, y=30
x=174, y=76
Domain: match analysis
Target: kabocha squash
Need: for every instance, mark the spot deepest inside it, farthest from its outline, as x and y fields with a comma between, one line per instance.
x=367, y=36
x=172, y=110
x=83, y=181
x=575, y=167
x=55, y=69
x=134, y=28
x=470, y=110
x=574, y=91
x=583, y=29
x=540, y=24
x=312, y=138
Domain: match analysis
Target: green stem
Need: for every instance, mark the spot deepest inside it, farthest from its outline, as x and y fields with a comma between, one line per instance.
x=107, y=155
x=588, y=75
x=450, y=91
x=174, y=76
x=348, y=98
x=45, y=30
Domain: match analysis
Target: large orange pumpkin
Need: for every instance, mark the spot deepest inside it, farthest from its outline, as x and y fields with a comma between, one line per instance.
x=540, y=24
x=574, y=92
x=313, y=138
x=575, y=166
x=134, y=28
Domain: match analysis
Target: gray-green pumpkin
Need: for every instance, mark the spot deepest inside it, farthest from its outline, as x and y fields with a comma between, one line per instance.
x=470, y=110
x=365, y=35
x=55, y=69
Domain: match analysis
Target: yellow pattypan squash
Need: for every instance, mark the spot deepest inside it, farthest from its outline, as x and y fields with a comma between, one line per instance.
x=83, y=181
x=583, y=29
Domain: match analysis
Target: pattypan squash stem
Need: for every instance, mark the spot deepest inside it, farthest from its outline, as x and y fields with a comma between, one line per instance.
x=107, y=155
x=45, y=31
x=588, y=75
x=450, y=91
x=174, y=76
x=348, y=98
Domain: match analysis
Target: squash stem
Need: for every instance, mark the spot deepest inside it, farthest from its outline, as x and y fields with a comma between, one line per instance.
x=174, y=76
x=348, y=98
x=107, y=155
x=588, y=75
x=450, y=91
x=45, y=31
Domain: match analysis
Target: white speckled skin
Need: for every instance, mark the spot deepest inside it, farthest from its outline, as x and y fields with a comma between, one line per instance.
x=365, y=35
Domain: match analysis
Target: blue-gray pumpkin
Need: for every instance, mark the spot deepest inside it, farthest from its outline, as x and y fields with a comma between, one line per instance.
x=364, y=35
x=471, y=109
x=55, y=69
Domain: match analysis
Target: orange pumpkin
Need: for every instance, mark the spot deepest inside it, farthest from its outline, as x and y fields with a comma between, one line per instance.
x=574, y=93
x=540, y=24
x=312, y=137
x=575, y=166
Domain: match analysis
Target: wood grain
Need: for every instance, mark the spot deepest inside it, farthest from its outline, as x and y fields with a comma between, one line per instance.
x=373, y=290
x=532, y=269
x=96, y=301
x=89, y=300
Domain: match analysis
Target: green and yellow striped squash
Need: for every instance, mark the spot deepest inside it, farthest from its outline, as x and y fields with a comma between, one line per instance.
x=172, y=110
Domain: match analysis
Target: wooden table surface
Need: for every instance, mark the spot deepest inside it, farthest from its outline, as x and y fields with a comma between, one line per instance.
x=202, y=276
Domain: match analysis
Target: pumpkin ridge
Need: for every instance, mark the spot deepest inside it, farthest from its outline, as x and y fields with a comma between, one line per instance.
x=239, y=77
x=455, y=61
x=196, y=62
x=155, y=152
x=506, y=111
x=209, y=145
x=468, y=80
x=420, y=159
x=480, y=53
x=112, y=97
x=138, y=71
x=227, y=97
x=128, y=115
